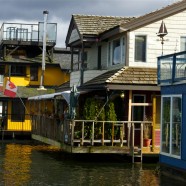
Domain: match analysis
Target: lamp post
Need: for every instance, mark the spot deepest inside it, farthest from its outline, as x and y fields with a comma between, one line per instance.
x=162, y=33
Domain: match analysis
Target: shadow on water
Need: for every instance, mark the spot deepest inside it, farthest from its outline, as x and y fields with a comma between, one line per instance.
x=32, y=163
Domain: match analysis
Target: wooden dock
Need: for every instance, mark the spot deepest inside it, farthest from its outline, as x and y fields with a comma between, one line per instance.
x=79, y=136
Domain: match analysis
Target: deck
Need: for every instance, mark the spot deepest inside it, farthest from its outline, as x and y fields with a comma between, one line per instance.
x=106, y=137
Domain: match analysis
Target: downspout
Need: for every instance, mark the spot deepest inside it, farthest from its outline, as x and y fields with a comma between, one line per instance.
x=82, y=65
x=71, y=67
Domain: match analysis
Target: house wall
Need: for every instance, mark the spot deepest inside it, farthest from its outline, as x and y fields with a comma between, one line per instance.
x=18, y=126
x=88, y=75
x=93, y=56
x=50, y=77
x=173, y=90
x=176, y=27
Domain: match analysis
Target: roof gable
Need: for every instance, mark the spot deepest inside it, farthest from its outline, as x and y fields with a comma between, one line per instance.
x=92, y=25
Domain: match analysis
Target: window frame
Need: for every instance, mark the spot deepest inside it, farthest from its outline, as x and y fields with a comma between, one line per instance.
x=181, y=37
x=34, y=73
x=170, y=139
x=122, y=51
x=18, y=70
x=144, y=57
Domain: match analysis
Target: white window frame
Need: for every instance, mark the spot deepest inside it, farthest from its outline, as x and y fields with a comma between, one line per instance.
x=1, y=79
x=140, y=35
x=122, y=52
x=181, y=45
x=170, y=131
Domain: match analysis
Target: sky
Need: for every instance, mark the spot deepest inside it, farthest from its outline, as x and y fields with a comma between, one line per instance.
x=60, y=11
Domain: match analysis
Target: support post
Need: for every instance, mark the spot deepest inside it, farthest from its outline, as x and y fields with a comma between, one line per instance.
x=129, y=116
x=153, y=122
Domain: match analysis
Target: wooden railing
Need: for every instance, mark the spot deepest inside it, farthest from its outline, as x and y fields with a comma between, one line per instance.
x=91, y=132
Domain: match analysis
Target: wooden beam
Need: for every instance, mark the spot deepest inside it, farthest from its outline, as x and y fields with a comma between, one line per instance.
x=153, y=121
x=130, y=105
x=129, y=116
x=141, y=104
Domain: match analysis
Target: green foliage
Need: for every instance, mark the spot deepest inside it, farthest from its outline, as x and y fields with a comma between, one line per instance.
x=92, y=108
x=110, y=112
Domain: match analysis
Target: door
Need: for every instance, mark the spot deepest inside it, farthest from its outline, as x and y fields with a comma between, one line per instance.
x=138, y=112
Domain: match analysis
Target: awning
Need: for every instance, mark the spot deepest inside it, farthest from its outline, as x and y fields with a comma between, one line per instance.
x=65, y=94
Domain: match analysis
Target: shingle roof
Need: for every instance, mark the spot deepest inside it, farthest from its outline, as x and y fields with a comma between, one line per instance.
x=126, y=76
x=94, y=25
x=134, y=75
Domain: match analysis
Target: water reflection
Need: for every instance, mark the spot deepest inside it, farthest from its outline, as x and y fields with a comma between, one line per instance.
x=36, y=164
x=16, y=164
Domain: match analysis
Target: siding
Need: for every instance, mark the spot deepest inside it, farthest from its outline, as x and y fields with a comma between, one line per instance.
x=176, y=27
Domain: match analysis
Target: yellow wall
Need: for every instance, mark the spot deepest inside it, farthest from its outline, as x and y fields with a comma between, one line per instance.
x=19, y=126
x=53, y=76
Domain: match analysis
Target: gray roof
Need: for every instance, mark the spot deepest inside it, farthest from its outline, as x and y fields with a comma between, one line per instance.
x=126, y=76
x=94, y=25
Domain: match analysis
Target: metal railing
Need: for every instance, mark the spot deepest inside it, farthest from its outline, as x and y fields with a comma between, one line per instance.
x=28, y=32
x=172, y=68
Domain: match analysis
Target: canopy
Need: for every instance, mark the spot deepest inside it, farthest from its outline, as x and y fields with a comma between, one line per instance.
x=65, y=94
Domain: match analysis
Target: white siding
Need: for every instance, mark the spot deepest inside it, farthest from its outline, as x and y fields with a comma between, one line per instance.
x=88, y=75
x=92, y=57
x=176, y=27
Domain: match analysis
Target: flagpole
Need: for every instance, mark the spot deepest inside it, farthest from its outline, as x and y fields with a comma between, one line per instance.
x=44, y=50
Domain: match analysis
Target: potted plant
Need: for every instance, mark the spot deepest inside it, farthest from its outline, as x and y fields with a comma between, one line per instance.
x=147, y=134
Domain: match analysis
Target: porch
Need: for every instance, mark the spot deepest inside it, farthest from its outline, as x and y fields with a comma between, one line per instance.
x=90, y=136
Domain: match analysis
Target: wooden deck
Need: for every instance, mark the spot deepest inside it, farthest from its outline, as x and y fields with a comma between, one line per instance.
x=88, y=136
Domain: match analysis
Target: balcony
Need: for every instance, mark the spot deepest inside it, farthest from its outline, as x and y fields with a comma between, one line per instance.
x=14, y=33
x=172, y=68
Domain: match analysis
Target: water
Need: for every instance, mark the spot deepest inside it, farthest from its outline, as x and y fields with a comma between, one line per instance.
x=30, y=163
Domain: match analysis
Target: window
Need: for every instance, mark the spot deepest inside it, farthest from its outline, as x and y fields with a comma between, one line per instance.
x=183, y=43
x=18, y=70
x=140, y=48
x=33, y=73
x=171, y=125
x=116, y=51
x=18, y=111
x=2, y=72
x=82, y=57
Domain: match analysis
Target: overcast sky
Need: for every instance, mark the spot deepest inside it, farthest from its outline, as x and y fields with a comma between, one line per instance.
x=60, y=11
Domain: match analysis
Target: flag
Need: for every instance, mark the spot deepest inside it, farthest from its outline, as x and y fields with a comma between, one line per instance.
x=10, y=89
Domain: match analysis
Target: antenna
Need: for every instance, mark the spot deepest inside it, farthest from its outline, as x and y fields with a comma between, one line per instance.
x=45, y=13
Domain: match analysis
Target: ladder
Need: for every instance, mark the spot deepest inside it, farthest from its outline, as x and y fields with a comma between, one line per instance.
x=136, y=151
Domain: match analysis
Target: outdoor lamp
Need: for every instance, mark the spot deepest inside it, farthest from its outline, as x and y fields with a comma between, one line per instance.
x=122, y=95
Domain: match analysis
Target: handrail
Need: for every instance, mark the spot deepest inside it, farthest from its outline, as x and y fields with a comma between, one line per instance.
x=102, y=132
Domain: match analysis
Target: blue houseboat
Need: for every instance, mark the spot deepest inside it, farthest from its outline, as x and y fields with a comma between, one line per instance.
x=172, y=79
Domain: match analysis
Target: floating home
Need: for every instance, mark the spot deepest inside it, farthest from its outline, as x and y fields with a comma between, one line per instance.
x=172, y=80
x=21, y=47
x=117, y=62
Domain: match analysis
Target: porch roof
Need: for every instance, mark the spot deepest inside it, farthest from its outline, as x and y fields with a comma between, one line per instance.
x=127, y=78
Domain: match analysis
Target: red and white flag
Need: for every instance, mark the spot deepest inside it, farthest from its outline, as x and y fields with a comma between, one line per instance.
x=10, y=89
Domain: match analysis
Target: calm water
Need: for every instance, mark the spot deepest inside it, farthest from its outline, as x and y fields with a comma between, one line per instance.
x=30, y=163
